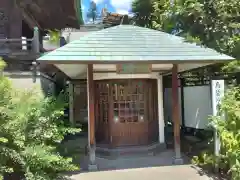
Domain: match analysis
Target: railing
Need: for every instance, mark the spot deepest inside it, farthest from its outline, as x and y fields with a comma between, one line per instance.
x=20, y=46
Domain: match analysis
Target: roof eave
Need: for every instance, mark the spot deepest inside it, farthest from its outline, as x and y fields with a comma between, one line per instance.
x=133, y=61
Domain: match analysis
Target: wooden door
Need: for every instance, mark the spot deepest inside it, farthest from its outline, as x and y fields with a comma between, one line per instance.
x=126, y=112
x=80, y=106
x=129, y=124
x=103, y=110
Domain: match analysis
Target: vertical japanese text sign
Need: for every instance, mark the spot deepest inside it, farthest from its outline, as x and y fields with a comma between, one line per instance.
x=217, y=95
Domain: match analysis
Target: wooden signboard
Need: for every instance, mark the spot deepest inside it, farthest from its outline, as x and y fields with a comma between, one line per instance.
x=134, y=68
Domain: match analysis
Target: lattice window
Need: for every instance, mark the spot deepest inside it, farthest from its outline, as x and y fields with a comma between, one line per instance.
x=126, y=111
x=80, y=92
x=128, y=101
x=103, y=103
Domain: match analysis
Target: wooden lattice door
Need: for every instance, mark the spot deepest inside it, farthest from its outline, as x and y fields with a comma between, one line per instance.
x=102, y=100
x=126, y=112
x=129, y=114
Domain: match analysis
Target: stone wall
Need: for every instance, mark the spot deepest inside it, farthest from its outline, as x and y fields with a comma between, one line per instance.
x=26, y=80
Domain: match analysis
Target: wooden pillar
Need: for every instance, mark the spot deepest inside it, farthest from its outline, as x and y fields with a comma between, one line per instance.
x=71, y=101
x=176, y=115
x=91, y=108
x=35, y=42
x=161, y=124
x=91, y=119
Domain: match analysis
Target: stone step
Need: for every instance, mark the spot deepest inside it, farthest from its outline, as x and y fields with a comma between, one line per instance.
x=128, y=152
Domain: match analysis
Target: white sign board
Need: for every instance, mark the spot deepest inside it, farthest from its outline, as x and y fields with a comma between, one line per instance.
x=217, y=87
x=217, y=94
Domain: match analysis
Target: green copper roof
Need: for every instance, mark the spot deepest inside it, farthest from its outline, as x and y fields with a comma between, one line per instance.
x=127, y=43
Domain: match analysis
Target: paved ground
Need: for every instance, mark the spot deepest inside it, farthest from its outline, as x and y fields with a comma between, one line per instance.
x=158, y=167
x=185, y=172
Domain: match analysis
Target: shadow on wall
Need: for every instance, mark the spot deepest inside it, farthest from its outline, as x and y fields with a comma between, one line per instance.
x=47, y=86
x=197, y=106
x=27, y=81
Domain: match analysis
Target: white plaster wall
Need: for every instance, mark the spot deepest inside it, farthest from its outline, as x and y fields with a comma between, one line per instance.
x=197, y=106
x=79, y=71
x=25, y=82
x=101, y=76
x=45, y=86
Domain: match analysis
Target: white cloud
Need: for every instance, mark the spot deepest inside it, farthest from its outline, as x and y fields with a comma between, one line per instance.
x=121, y=11
x=98, y=1
x=122, y=5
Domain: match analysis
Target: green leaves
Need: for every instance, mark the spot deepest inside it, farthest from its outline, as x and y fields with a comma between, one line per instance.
x=31, y=129
x=228, y=129
x=214, y=23
x=54, y=36
x=2, y=64
x=142, y=10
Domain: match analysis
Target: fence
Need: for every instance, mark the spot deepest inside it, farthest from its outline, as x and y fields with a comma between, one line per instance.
x=20, y=45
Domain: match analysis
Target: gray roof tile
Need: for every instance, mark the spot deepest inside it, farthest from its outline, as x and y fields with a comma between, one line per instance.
x=134, y=44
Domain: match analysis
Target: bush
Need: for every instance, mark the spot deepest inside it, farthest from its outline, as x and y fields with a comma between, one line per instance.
x=31, y=129
x=228, y=128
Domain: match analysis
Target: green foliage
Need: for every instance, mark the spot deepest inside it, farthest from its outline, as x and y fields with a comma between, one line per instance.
x=2, y=64
x=31, y=130
x=229, y=133
x=143, y=10
x=54, y=36
x=212, y=23
x=204, y=159
x=163, y=15
x=215, y=23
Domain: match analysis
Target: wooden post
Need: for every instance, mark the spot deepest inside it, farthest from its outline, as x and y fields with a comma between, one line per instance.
x=36, y=40
x=71, y=101
x=91, y=119
x=161, y=124
x=182, y=101
x=34, y=71
x=176, y=115
x=36, y=49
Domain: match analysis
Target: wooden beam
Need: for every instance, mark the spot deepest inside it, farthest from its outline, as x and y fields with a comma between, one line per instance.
x=91, y=104
x=27, y=17
x=175, y=113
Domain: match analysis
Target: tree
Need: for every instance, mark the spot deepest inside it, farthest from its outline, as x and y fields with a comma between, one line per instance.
x=142, y=10
x=228, y=130
x=31, y=130
x=92, y=12
x=215, y=24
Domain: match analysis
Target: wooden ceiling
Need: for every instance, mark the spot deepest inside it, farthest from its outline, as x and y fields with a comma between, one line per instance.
x=60, y=14
x=49, y=14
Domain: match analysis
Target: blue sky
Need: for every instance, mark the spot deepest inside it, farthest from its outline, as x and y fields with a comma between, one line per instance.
x=118, y=6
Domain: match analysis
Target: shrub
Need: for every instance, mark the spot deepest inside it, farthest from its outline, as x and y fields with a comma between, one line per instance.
x=31, y=129
x=228, y=128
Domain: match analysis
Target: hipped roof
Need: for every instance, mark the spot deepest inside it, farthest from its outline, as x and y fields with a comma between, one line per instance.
x=127, y=43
